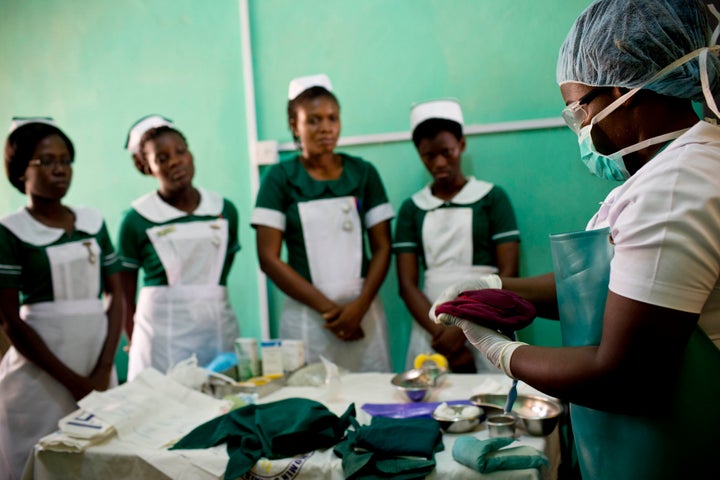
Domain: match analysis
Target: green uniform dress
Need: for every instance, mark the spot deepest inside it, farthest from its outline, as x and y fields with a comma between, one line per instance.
x=323, y=225
x=60, y=280
x=183, y=307
x=454, y=240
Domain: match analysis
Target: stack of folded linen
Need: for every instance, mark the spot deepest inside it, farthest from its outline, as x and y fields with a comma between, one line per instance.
x=77, y=432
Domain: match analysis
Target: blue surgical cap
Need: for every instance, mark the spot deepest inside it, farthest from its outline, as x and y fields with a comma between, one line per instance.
x=623, y=43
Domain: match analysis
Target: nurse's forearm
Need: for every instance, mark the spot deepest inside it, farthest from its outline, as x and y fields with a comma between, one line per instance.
x=642, y=346
x=27, y=341
x=576, y=375
x=129, y=286
x=115, y=317
x=269, y=244
x=419, y=306
x=380, y=246
x=377, y=270
x=508, y=259
x=295, y=286
x=415, y=299
x=540, y=290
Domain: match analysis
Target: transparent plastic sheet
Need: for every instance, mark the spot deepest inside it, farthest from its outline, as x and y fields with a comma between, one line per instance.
x=581, y=262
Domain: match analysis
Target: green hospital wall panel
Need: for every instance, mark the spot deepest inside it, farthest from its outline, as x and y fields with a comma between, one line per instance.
x=96, y=66
x=497, y=58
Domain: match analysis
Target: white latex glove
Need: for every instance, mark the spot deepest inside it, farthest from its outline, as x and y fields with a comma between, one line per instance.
x=497, y=348
x=450, y=293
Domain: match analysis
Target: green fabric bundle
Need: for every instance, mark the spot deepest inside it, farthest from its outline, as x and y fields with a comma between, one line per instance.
x=397, y=448
x=486, y=456
x=272, y=430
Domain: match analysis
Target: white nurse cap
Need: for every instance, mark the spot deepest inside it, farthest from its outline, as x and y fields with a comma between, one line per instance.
x=446, y=109
x=300, y=84
x=139, y=128
x=20, y=121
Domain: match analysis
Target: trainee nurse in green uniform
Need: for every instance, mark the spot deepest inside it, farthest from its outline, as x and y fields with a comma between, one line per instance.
x=55, y=263
x=184, y=238
x=456, y=227
x=638, y=292
x=330, y=209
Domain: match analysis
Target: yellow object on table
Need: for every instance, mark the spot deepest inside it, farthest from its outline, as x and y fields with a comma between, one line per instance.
x=436, y=358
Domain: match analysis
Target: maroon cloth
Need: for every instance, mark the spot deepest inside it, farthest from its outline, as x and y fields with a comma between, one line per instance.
x=492, y=307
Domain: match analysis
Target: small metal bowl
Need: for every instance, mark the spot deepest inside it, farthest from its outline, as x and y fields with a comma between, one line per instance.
x=492, y=403
x=538, y=415
x=501, y=425
x=415, y=383
x=459, y=423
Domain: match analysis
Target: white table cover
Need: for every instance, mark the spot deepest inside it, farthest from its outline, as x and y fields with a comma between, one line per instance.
x=117, y=459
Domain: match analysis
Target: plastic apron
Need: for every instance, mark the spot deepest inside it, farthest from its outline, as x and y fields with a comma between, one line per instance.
x=448, y=250
x=333, y=243
x=683, y=444
x=74, y=328
x=192, y=315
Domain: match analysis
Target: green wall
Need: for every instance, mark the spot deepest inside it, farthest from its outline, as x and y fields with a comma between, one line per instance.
x=97, y=65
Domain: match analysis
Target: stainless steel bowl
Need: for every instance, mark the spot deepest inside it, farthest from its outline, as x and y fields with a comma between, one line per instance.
x=538, y=415
x=459, y=424
x=501, y=425
x=415, y=383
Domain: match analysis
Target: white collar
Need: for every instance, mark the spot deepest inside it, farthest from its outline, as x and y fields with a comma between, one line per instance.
x=29, y=230
x=154, y=208
x=471, y=192
x=702, y=131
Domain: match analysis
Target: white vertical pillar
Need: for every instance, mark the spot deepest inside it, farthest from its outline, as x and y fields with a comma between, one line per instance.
x=252, y=137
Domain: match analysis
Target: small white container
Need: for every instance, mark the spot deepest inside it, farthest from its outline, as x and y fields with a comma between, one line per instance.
x=272, y=357
x=293, y=353
x=246, y=351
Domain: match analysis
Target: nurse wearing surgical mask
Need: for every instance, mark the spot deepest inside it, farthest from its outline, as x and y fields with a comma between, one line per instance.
x=638, y=292
x=328, y=208
x=184, y=239
x=56, y=262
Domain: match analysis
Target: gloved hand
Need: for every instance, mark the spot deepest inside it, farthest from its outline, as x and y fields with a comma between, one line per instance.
x=450, y=293
x=497, y=348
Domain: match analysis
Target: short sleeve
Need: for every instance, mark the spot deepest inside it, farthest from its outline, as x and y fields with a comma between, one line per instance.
x=129, y=242
x=503, y=226
x=271, y=200
x=406, y=240
x=665, y=229
x=377, y=206
x=10, y=267
x=110, y=259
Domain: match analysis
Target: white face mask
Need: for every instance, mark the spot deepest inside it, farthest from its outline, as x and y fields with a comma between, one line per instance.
x=612, y=167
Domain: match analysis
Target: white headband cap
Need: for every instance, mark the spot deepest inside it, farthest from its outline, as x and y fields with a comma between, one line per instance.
x=300, y=84
x=20, y=121
x=139, y=128
x=446, y=109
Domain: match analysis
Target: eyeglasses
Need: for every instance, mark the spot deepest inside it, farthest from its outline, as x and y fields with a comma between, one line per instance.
x=51, y=162
x=574, y=114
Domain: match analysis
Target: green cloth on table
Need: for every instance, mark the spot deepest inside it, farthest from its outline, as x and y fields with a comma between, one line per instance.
x=487, y=456
x=272, y=430
x=397, y=448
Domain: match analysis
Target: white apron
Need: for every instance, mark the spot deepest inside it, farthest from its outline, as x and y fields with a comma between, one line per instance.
x=448, y=249
x=74, y=329
x=333, y=242
x=193, y=313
